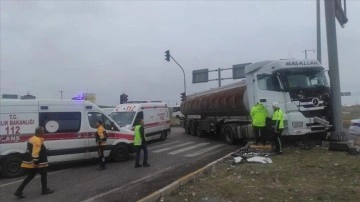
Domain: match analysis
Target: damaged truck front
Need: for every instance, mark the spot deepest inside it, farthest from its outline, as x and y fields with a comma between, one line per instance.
x=300, y=86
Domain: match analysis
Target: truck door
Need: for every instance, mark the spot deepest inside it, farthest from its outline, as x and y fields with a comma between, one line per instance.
x=267, y=90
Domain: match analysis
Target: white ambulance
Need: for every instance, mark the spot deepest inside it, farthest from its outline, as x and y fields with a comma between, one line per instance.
x=155, y=115
x=69, y=132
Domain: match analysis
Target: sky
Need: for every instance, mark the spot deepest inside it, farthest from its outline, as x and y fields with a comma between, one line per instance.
x=114, y=47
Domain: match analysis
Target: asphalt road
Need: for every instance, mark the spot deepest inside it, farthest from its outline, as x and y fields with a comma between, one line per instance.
x=179, y=155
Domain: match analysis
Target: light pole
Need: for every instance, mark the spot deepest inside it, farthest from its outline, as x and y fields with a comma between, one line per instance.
x=167, y=58
x=306, y=53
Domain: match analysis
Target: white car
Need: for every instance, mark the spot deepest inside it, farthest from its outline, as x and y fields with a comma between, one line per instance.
x=355, y=127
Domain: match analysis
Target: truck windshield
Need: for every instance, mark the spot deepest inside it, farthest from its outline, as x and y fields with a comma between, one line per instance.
x=305, y=78
x=123, y=118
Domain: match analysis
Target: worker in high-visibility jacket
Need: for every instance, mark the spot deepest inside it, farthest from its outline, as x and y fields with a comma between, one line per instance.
x=35, y=160
x=278, y=120
x=140, y=144
x=258, y=115
x=101, y=137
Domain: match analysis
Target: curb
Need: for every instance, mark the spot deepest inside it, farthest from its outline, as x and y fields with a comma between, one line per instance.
x=157, y=195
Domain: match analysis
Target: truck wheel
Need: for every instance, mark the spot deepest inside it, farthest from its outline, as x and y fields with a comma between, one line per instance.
x=11, y=166
x=193, y=129
x=228, y=134
x=164, y=135
x=199, y=132
x=187, y=130
x=120, y=153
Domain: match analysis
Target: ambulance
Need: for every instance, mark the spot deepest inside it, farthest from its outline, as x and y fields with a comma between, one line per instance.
x=155, y=115
x=69, y=132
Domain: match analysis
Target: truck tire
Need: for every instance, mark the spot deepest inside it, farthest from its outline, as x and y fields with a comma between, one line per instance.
x=11, y=166
x=164, y=135
x=187, y=130
x=193, y=129
x=120, y=153
x=199, y=132
x=228, y=135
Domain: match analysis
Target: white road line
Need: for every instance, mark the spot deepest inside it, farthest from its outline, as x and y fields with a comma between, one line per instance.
x=204, y=150
x=37, y=176
x=188, y=148
x=162, y=145
x=168, y=148
x=130, y=183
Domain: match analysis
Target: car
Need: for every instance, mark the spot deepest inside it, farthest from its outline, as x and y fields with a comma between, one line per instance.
x=176, y=113
x=355, y=127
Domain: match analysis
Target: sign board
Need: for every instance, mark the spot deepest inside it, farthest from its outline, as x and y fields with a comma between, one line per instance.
x=200, y=76
x=340, y=14
x=10, y=96
x=239, y=70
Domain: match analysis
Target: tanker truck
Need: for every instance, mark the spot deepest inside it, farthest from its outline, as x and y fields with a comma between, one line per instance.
x=299, y=86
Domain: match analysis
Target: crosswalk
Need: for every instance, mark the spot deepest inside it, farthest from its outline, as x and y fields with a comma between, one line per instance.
x=186, y=149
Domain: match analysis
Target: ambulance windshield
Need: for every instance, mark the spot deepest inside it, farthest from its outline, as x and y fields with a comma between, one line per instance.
x=123, y=118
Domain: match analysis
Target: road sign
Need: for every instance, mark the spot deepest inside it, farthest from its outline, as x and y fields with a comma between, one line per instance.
x=239, y=70
x=200, y=76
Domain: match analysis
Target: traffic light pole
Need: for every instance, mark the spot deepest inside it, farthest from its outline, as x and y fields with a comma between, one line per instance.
x=182, y=71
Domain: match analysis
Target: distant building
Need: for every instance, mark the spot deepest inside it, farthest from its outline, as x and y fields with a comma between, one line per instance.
x=27, y=97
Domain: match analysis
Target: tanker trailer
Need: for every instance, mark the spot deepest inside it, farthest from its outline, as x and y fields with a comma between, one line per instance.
x=300, y=86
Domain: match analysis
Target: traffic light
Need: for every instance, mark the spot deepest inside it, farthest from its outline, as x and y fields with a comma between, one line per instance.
x=125, y=98
x=183, y=96
x=167, y=55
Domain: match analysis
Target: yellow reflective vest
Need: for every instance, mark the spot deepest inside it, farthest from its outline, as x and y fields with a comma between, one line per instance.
x=35, y=156
x=258, y=115
x=278, y=116
x=137, y=138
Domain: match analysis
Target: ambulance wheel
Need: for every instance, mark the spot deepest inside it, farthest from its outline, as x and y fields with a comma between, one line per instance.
x=120, y=152
x=228, y=134
x=164, y=135
x=11, y=166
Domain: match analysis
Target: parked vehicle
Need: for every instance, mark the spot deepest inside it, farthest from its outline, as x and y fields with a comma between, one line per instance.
x=300, y=86
x=69, y=131
x=175, y=112
x=155, y=114
x=355, y=127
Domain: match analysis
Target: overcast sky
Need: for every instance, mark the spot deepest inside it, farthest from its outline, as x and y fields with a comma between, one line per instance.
x=114, y=47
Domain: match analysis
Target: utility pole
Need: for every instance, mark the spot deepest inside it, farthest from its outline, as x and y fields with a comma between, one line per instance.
x=333, y=67
x=318, y=31
x=61, y=93
x=167, y=58
x=306, y=52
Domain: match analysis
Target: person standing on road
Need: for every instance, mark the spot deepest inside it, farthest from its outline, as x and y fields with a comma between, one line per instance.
x=35, y=160
x=101, y=137
x=258, y=115
x=140, y=144
x=278, y=119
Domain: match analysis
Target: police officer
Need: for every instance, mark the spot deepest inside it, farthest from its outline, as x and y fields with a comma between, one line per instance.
x=35, y=160
x=278, y=119
x=101, y=137
x=140, y=144
x=258, y=115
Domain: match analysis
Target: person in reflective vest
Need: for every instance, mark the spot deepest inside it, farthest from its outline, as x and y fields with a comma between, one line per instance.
x=35, y=160
x=101, y=137
x=278, y=120
x=258, y=115
x=140, y=144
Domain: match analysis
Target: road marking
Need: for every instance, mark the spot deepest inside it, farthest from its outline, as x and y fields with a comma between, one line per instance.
x=123, y=186
x=168, y=148
x=37, y=176
x=204, y=150
x=162, y=145
x=188, y=148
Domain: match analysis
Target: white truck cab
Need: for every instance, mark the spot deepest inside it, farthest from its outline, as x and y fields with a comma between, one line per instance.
x=69, y=131
x=155, y=115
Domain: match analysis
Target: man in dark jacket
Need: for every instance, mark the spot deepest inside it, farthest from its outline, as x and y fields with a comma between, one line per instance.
x=35, y=160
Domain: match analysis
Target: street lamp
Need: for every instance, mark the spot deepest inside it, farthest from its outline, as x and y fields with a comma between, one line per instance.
x=167, y=58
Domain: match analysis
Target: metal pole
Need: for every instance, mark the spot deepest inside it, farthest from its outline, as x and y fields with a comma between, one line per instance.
x=219, y=76
x=305, y=54
x=61, y=92
x=182, y=71
x=318, y=31
x=333, y=66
